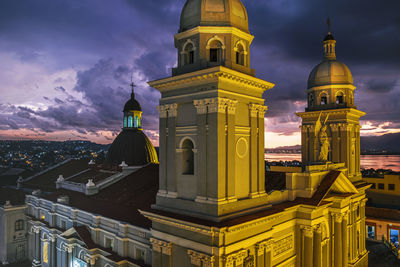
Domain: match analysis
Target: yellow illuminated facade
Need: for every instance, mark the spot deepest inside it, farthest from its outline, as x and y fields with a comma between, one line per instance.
x=212, y=208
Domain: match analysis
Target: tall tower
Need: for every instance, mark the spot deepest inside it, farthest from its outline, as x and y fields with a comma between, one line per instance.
x=212, y=117
x=331, y=99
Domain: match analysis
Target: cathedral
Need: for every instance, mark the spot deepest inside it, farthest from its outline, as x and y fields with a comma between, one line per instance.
x=206, y=199
x=212, y=207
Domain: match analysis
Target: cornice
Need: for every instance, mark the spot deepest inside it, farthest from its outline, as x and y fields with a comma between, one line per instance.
x=214, y=30
x=212, y=74
x=312, y=114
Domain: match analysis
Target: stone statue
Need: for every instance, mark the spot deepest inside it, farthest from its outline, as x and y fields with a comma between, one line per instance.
x=320, y=133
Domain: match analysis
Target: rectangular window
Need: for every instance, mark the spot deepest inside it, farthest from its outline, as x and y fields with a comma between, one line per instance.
x=373, y=186
x=63, y=224
x=214, y=55
x=324, y=100
x=191, y=57
x=371, y=231
x=19, y=225
x=108, y=242
x=381, y=186
x=391, y=187
x=46, y=252
x=139, y=254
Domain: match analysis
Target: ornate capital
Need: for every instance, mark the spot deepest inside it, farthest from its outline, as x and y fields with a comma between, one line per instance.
x=236, y=258
x=264, y=246
x=334, y=126
x=217, y=105
x=200, y=259
x=172, y=110
x=307, y=231
x=162, y=109
x=338, y=217
x=201, y=106
x=232, y=104
x=161, y=246
x=253, y=110
x=318, y=228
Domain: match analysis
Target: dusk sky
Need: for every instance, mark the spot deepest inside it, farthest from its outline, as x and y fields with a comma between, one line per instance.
x=65, y=65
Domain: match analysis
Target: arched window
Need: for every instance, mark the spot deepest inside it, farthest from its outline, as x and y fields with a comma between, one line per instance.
x=19, y=225
x=339, y=98
x=189, y=54
x=137, y=123
x=324, y=99
x=130, y=122
x=240, y=53
x=125, y=122
x=215, y=51
x=187, y=157
x=311, y=100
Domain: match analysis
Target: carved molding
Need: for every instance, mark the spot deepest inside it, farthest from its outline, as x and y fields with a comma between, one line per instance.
x=161, y=246
x=236, y=258
x=162, y=110
x=217, y=105
x=307, y=231
x=200, y=259
x=232, y=104
x=201, y=106
x=264, y=246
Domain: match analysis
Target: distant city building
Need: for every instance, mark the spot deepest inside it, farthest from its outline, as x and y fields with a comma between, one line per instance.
x=210, y=202
x=13, y=226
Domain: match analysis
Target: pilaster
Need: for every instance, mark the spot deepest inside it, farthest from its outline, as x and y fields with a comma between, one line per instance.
x=200, y=259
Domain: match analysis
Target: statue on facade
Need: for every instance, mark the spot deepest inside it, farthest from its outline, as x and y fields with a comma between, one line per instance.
x=320, y=133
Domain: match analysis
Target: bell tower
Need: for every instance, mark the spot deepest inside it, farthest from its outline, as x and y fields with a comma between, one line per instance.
x=212, y=117
x=331, y=122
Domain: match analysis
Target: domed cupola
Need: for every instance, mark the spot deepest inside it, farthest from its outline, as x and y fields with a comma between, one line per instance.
x=213, y=33
x=330, y=84
x=214, y=13
x=132, y=112
x=132, y=145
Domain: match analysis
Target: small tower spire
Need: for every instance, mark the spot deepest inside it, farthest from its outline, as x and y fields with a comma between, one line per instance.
x=329, y=44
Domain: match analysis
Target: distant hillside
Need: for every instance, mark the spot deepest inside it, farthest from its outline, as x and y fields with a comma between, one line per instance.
x=387, y=142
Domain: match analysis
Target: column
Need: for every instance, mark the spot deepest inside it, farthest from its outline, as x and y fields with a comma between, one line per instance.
x=317, y=246
x=263, y=253
x=253, y=109
x=338, y=240
x=201, y=107
x=162, y=191
x=217, y=165
x=172, y=111
x=307, y=235
x=231, y=149
x=261, y=149
x=345, y=239
x=37, y=256
x=53, y=250
x=335, y=148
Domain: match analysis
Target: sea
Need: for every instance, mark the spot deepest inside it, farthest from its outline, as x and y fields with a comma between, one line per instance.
x=367, y=161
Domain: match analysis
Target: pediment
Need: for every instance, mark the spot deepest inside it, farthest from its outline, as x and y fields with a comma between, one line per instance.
x=343, y=185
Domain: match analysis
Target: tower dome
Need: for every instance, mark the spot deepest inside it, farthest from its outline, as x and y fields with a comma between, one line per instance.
x=330, y=71
x=132, y=145
x=214, y=13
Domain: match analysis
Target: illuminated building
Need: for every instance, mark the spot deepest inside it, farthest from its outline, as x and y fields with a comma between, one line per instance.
x=82, y=215
x=209, y=202
x=212, y=207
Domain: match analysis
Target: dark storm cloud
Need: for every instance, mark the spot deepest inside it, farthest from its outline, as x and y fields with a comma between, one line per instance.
x=381, y=86
x=105, y=41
